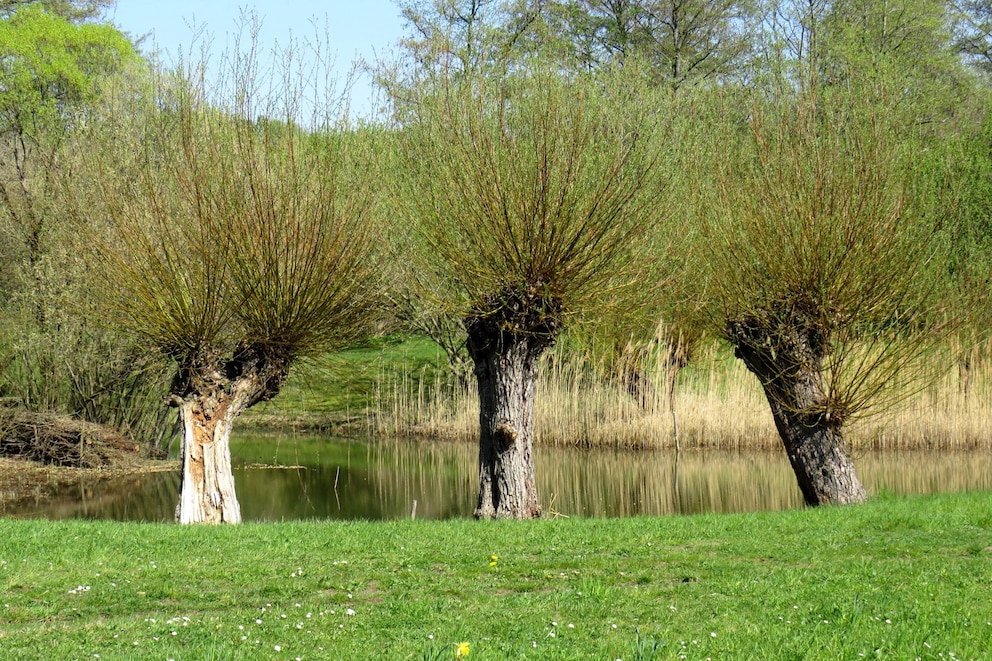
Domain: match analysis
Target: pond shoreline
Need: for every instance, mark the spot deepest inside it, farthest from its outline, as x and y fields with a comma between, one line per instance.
x=23, y=482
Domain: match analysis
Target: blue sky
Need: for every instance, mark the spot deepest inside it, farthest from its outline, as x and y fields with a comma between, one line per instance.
x=357, y=28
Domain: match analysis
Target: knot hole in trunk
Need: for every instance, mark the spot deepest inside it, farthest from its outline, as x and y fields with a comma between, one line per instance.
x=504, y=436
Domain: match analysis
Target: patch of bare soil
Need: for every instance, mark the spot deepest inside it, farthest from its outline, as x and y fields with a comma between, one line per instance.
x=41, y=455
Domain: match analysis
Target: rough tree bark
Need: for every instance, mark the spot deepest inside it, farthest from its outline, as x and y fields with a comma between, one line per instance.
x=506, y=370
x=788, y=363
x=210, y=395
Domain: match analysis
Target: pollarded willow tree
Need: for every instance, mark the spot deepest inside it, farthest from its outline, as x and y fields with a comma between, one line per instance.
x=827, y=257
x=533, y=197
x=235, y=243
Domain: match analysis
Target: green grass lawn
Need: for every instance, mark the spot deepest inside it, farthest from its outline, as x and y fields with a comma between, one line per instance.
x=895, y=579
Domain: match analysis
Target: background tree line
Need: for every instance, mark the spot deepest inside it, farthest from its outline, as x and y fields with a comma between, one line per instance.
x=805, y=181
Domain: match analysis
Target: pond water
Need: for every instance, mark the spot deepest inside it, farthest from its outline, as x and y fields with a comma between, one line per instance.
x=321, y=478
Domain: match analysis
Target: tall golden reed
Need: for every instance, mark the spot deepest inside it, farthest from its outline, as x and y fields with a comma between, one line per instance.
x=717, y=404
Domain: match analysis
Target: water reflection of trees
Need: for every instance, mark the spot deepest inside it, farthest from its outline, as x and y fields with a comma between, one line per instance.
x=441, y=478
x=382, y=480
x=145, y=497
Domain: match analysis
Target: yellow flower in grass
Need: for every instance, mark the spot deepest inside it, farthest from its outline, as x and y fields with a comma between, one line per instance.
x=493, y=559
x=462, y=650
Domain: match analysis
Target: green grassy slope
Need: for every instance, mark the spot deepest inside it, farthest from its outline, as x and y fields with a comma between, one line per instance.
x=336, y=391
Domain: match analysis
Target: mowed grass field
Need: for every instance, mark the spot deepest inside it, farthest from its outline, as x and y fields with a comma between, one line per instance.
x=899, y=578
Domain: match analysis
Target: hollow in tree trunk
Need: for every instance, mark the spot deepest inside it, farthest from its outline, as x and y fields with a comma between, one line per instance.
x=506, y=369
x=788, y=363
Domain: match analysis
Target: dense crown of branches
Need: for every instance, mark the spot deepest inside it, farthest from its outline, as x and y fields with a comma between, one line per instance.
x=532, y=194
x=827, y=230
x=215, y=229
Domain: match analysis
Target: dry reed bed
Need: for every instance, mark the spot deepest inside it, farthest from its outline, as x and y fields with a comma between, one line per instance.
x=717, y=404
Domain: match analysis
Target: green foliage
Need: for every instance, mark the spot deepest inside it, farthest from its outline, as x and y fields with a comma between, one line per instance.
x=453, y=35
x=868, y=45
x=897, y=578
x=89, y=374
x=971, y=257
x=49, y=65
x=972, y=26
x=681, y=41
x=73, y=10
x=858, y=46
x=686, y=40
x=342, y=389
x=453, y=38
x=49, y=68
x=52, y=360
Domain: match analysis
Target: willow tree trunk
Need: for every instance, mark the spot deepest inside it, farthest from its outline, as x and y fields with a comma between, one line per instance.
x=506, y=370
x=206, y=493
x=815, y=445
x=789, y=366
x=211, y=394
